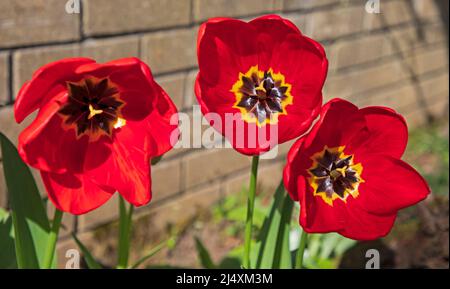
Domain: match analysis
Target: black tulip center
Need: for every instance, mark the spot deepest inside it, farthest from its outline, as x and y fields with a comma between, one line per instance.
x=335, y=174
x=262, y=96
x=93, y=106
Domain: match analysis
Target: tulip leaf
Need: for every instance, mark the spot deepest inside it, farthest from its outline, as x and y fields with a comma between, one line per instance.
x=152, y=252
x=203, y=255
x=29, y=217
x=273, y=242
x=7, y=251
x=90, y=260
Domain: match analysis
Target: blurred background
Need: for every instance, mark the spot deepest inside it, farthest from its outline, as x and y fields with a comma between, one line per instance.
x=396, y=56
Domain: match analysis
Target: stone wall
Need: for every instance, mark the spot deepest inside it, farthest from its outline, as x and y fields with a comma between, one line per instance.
x=397, y=58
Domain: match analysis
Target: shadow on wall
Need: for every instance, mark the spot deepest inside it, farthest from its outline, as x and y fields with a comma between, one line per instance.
x=443, y=10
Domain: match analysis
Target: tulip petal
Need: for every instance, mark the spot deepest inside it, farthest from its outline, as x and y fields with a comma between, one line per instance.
x=340, y=124
x=76, y=194
x=46, y=145
x=389, y=185
x=388, y=131
x=41, y=143
x=316, y=216
x=292, y=169
x=162, y=123
x=127, y=169
x=45, y=84
x=364, y=226
x=223, y=53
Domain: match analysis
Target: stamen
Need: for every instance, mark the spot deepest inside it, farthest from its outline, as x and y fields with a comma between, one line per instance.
x=120, y=122
x=261, y=87
x=93, y=112
x=335, y=174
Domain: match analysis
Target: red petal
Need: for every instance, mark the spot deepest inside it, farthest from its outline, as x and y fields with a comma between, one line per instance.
x=76, y=194
x=291, y=170
x=389, y=185
x=298, y=119
x=316, y=216
x=127, y=168
x=162, y=123
x=46, y=145
x=42, y=85
x=305, y=67
x=340, y=124
x=388, y=131
x=272, y=19
x=223, y=53
x=363, y=226
x=272, y=32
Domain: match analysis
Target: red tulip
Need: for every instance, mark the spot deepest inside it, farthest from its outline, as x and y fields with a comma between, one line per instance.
x=265, y=72
x=347, y=173
x=97, y=127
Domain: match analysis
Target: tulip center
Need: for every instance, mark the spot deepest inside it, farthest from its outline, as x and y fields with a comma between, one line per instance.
x=334, y=175
x=261, y=96
x=93, y=108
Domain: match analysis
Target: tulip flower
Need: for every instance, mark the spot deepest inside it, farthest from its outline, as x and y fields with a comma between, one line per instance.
x=266, y=73
x=347, y=173
x=97, y=127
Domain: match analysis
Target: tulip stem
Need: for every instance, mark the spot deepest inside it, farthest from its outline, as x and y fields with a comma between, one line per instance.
x=124, y=233
x=52, y=238
x=301, y=250
x=250, y=208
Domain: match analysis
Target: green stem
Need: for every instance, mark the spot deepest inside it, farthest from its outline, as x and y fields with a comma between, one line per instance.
x=250, y=208
x=301, y=250
x=124, y=233
x=52, y=238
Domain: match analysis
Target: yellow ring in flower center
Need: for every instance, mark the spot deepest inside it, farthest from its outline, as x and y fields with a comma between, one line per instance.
x=334, y=175
x=261, y=96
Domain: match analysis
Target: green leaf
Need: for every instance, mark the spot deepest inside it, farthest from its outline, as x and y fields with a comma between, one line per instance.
x=153, y=252
x=203, y=255
x=344, y=245
x=273, y=242
x=31, y=225
x=90, y=261
x=7, y=251
x=329, y=243
x=325, y=250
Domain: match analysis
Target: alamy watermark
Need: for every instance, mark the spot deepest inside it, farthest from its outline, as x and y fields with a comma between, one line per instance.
x=73, y=256
x=373, y=6
x=373, y=261
x=202, y=131
x=73, y=7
